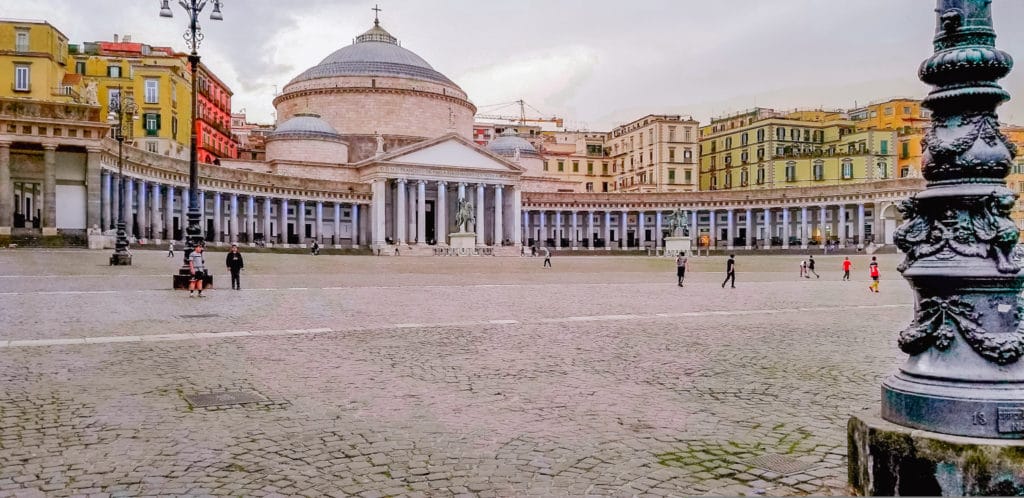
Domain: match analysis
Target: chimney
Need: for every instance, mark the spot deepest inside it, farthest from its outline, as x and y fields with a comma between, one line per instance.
x=115, y=37
x=127, y=38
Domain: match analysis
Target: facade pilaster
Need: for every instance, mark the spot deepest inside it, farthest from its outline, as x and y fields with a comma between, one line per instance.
x=6, y=190
x=93, y=188
x=49, y=218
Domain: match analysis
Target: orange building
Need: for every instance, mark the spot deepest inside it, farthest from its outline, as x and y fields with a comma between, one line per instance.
x=908, y=119
x=213, y=124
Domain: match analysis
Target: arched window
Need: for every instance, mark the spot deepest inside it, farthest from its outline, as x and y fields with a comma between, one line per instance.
x=791, y=171
x=819, y=170
x=847, y=169
x=744, y=177
x=760, y=174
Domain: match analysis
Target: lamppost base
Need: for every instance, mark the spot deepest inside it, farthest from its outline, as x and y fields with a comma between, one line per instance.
x=886, y=459
x=121, y=259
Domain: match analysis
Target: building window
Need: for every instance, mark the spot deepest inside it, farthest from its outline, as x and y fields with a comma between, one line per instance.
x=744, y=177
x=687, y=155
x=687, y=177
x=888, y=111
x=151, y=146
x=80, y=67
x=885, y=147
x=728, y=142
x=561, y=166
x=575, y=166
x=760, y=175
x=791, y=171
x=728, y=180
x=847, y=169
x=744, y=156
x=604, y=169
x=671, y=176
x=760, y=135
x=714, y=182
x=713, y=161
x=883, y=169
x=794, y=135
x=151, y=121
x=819, y=170
x=114, y=71
x=21, y=41
x=780, y=133
x=760, y=154
x=671, y=133
x=174, y=127
x=590, y=186
x=687, y=134
x=545, y=166
x=904, y=171
x=728, y=160
x=21, y=78
x=152, y=91
x=743, y=139
x=905, y=150
x=590, y=168
x=671, y=154
x=906, y=110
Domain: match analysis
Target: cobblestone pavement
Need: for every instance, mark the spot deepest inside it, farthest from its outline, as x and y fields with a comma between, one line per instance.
x=437, y=376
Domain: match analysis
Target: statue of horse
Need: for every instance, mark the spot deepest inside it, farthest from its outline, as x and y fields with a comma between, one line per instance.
x=464, y=215
x=677, y=223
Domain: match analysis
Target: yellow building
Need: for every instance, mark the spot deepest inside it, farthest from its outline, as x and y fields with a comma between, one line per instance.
x=156, y=78
x=656, y=153
x=764, y=149
x=1015, y=180
x=908, y=119
x=33, y=62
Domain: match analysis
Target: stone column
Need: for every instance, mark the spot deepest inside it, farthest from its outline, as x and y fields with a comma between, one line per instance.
x=657, y=230
x=218, y=218
x=841, y=225
x=558, y=229
x=441, y=216
x=462, y=191
x=573, y=242
x=318, y=223
x=169, y=213
x=183, y=222
x=105, y=199
x=355, y=226
x=712, y=221
x=421, y=213
x=590, y=230
x=823, y=213
x=786, y=226
x=526, y=227
x=480, y=225
x=7, y=190
x=641, y=236
x=767, y=228
x=265, y=204
x=542, y=236
x=860, y=226
x=499, y=214
x=411, y=215
x=202, y=212
x=748, y=240
x=803, y=227
x=93, y=188
x=607, y=230
x=140, y=213
x=378, y=188
x=400, y=224
x=694, y=229
x=154, y=213
x=300, y=222
x=233, y=219
x=250, y=219
x=730, y=228
x=49, y=217
x=282, y=228
x=129, y=220
x=517, y=205
x=623, y=236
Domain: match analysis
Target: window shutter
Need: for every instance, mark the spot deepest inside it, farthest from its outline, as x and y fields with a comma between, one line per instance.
x=157, y=121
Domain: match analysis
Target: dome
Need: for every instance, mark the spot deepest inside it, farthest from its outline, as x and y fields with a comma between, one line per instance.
x=374, y=53
x=507, y=143
x=308, y=125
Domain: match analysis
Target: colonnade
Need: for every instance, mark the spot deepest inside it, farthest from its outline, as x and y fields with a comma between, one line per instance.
x=422, y=212
x=727, y=228
x=158, y=212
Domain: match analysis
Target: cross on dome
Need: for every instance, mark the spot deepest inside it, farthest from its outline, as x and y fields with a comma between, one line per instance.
x=376, y=14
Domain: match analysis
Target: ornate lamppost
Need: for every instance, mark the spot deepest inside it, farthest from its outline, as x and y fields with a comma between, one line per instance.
x=121, y=119
x=193, y=37
x=952, y=417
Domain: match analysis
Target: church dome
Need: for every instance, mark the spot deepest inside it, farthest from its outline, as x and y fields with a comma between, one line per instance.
x=305, y=124
x=507, y=143
x=374, y=53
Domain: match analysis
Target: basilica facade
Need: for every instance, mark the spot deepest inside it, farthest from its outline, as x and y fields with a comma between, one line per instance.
x=373, y=148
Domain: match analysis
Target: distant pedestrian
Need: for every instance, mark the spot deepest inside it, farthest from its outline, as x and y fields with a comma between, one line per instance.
x=533, y=250
x=730, y=271
x=681, y=264
x=197, y=267
x=810, y=266
x=170, y=250
x=847, y=266
x=547, y=257
x=315, y=248
x=235, y=264
x=803, y=268
x=873, y=271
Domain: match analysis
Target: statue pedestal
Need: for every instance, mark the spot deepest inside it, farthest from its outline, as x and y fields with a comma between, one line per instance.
x=886, y=459
x=676, y=245
x=462, y=240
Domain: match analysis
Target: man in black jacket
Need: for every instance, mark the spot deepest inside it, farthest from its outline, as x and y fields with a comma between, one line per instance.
x=235, y=265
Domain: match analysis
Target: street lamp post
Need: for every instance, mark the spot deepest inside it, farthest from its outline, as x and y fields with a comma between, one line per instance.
x=193, y=37
x=121, y=119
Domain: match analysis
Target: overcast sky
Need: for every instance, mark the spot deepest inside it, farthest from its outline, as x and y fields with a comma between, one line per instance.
x=593, y=62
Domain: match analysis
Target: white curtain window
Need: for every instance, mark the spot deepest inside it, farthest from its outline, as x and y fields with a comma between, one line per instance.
x=21, y=42
x=152, y=91
x=21, y=78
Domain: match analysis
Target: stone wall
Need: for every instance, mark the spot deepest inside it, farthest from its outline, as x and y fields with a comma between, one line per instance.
x=362, y=147
x=307, y=149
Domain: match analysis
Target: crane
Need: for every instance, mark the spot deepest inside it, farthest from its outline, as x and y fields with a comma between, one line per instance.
x=521, y=118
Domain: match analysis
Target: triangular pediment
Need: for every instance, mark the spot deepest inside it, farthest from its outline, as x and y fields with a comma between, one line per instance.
x=449, y=151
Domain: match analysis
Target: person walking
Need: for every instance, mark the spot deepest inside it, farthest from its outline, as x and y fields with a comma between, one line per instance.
x=803, y=268
x=730, y=271
x=873, y=271
x=197, y=267
x=681, y=264
x=170, y=250
x=235, y=264
x=810, y=267
x=847, y=266
x=315, y=248
x=547, y=257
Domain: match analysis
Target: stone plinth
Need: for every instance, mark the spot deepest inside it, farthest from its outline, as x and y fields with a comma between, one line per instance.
x=121, y=259
x=886, y=459
x=677, y=245
x=462, y=240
